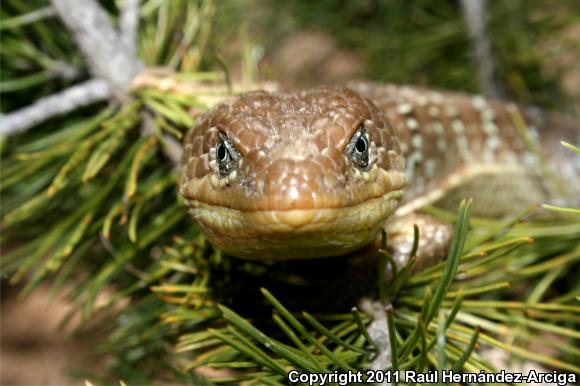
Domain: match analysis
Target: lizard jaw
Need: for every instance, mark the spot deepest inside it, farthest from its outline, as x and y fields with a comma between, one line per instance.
x=294, y=234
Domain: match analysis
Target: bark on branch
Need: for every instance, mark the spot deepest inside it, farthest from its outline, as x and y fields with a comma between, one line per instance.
x=475, y=15
x=83, y=94
x=128, y=25
x=100, y=42
x=110, y=56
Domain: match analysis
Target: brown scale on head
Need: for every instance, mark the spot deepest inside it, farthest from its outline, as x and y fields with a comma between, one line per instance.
x=300, y=175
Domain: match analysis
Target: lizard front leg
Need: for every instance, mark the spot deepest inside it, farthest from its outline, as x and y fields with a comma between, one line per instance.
x=434, y=239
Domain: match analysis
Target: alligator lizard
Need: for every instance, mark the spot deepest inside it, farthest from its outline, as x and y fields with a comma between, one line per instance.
x=320, y=172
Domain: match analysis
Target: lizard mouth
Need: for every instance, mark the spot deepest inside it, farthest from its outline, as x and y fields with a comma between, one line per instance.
x=296, y=233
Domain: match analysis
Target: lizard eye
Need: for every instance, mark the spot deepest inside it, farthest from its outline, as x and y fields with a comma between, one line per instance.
x=358, y=149
x=227, y=155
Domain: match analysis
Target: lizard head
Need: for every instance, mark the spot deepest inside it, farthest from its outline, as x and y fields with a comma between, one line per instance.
x=288, y=176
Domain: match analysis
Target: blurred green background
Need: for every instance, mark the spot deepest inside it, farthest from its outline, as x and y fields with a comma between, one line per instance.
x=536, y=44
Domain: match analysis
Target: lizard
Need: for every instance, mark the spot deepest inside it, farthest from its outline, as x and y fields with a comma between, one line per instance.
x=325, y=172
x=320, y=173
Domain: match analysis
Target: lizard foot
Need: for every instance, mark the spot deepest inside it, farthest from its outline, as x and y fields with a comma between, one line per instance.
x=434, y=239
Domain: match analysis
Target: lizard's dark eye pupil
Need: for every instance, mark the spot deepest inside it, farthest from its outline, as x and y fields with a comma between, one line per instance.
x=361, y=145
x=357, y=149
x=227, y=156
x=221, y=152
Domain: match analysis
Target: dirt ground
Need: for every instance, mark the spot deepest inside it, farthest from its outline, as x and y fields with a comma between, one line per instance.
x=35, y=349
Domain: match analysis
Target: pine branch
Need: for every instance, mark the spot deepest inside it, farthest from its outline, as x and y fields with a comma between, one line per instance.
x=91, y=91
x=129, y=25
x=475, y=13
x=66, y=71
x=111, y=57
x=28, y=18
x=98, y=40
x=379, y=334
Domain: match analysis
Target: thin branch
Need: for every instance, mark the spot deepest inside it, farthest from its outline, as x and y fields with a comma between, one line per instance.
x=27, y=18
x=111, y=56
x=379, y=334
x=66, y=71
x=83, y=94
x=129, y=25
x=98, y=40
x=113, y=66
x=475, y=14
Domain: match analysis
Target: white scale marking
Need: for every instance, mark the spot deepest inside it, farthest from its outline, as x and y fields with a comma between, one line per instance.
x=422, y=100
x=492, y=143
x=451, y=111
x=458, y=127
x=490, y=128
x=439, y=129
x=414, y=159
x=433, y=111
x=478, y=102
x=487, y=114
x=404, y=108
x=430, y=167
x=412, y=124
x=417, y=141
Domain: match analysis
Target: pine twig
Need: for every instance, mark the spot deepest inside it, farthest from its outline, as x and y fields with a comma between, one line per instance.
x=91, y=91
x=97, y=38
x=129, y=25
x=379, y=334
x=475, y=13
x=112, y=64
x=66, y=71
x=28, y=18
